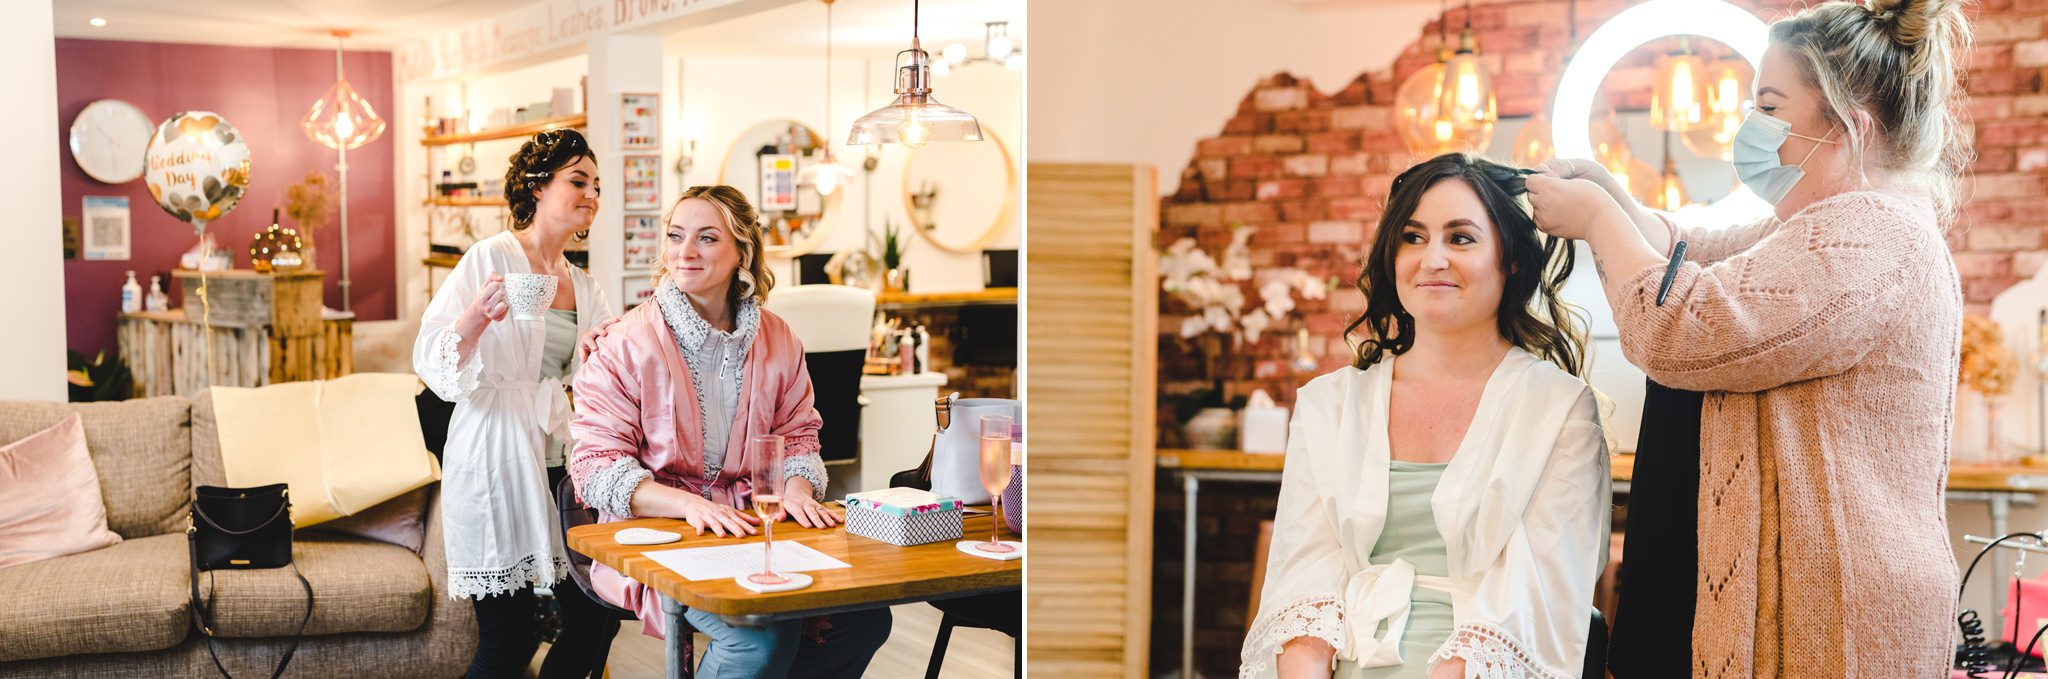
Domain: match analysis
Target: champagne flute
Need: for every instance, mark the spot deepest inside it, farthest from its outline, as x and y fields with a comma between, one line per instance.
x=995, y=476
x=766, y=452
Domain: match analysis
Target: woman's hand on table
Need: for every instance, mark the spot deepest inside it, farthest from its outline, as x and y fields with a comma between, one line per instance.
x=721, y=520
x=799, y=502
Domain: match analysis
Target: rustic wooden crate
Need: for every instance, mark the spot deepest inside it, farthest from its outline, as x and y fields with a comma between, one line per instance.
x=168, y=352
x=288, y=302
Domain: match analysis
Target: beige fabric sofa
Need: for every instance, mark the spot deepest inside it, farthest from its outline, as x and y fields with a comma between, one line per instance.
x=125, y=611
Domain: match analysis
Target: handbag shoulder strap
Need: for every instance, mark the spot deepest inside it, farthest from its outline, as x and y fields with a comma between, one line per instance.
x=202, y=614
x=282, y=509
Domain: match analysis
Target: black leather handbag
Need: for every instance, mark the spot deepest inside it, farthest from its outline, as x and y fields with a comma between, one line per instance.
x=237, y=528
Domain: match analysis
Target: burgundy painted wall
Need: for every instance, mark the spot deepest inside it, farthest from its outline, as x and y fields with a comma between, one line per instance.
x=263, y=92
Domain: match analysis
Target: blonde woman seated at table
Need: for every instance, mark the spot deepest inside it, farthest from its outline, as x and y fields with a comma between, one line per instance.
x=665, y=405
x=1443, y=512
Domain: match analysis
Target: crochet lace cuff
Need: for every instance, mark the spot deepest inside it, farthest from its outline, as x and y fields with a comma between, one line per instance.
x=450, y=378
x=1320, y=618
x=1489, y=653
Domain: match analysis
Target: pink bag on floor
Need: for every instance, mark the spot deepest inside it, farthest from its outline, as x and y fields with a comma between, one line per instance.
x=2028, y=598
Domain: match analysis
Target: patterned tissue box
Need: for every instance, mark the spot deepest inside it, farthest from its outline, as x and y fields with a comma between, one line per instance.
x=903, y=516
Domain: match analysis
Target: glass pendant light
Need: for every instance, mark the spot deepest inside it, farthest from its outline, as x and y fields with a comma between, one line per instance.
x=1610, y=146
x=1466, y=98
x=1532, y=144
x=1670, y=192
x=1535, y=143
x=1679, y=100
x=915, y=117
x=1727, y=92
x=826, y=175
x=1418, y=109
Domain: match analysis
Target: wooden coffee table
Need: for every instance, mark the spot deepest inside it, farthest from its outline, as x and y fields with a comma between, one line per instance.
x=882, y=574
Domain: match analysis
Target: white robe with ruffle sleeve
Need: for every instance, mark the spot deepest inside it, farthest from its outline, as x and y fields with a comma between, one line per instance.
x=502, y=533
x=1523, y=508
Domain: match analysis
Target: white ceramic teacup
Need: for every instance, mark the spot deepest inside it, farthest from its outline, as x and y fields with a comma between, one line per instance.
x=529, y=294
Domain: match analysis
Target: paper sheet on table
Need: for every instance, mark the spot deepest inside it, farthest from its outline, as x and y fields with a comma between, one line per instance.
x=731, y=561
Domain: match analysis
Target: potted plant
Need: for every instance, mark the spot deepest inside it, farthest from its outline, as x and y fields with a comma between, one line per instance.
x=99, y=379
x=1221, y=322
x=891, y=246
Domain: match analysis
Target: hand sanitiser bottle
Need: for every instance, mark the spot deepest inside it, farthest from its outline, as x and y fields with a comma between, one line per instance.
x=157, y=300
x=131, y=295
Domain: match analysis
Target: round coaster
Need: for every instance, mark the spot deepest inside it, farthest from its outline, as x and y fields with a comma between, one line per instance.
x=796, y=581
x=973, y=547
x=645, y=536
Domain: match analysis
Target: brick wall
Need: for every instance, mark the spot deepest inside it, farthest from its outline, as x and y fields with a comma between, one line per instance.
x=1311, y=170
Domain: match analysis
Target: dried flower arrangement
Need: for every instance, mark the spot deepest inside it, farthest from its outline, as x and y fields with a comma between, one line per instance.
x=307, y=203
x=1987, y=365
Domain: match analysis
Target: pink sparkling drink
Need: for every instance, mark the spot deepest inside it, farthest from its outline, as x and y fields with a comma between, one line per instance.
x=995, y=475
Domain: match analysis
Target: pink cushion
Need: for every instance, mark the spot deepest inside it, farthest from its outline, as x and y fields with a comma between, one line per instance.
x=399, y=521
x=52, y=505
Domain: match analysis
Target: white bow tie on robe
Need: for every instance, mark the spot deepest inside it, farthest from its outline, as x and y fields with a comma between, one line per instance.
x=1382, y=593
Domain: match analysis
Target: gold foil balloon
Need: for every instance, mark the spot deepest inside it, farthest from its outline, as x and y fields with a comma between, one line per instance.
x=197, y=167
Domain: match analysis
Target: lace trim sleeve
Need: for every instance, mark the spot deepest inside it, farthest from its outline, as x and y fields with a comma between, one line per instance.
x=1320, y=617
x=811, y=467
x=451, y=379
x=610, y=490
x=1490, y=653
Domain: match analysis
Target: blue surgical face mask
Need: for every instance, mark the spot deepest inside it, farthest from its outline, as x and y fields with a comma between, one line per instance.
x=1756, y=156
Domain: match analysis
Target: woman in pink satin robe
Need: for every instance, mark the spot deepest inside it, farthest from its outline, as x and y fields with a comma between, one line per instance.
x=665, y=405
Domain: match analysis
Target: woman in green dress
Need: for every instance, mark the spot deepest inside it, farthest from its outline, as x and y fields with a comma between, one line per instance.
x=1443, y=512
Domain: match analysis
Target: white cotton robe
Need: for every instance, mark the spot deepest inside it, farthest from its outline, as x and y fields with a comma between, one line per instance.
x=1523, y=508
x=502, y=532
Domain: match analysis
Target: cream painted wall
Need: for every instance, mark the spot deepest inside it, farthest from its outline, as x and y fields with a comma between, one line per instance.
x=1141, y=80
x=712, y=100
x=721, y=97
x=32, y=264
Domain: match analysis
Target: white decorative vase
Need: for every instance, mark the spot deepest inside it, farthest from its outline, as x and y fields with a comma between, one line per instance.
x=1212, y=429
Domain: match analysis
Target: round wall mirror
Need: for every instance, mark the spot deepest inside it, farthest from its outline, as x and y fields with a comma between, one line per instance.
x=763, y=163
x=961, y=196
x=108, y=139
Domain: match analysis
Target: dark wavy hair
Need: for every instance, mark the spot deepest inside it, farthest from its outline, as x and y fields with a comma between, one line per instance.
x=1530, y=261
x=535, y=165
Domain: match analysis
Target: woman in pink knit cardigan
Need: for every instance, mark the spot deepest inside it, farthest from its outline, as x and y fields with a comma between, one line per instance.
x=1824, y=338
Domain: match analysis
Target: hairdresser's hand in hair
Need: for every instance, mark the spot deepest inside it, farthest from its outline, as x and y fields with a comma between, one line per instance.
x=1571, y=208
x=1646, y=222
x=1579, y=209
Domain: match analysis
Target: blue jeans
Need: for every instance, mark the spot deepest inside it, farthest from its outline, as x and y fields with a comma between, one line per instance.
x=780, y=650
